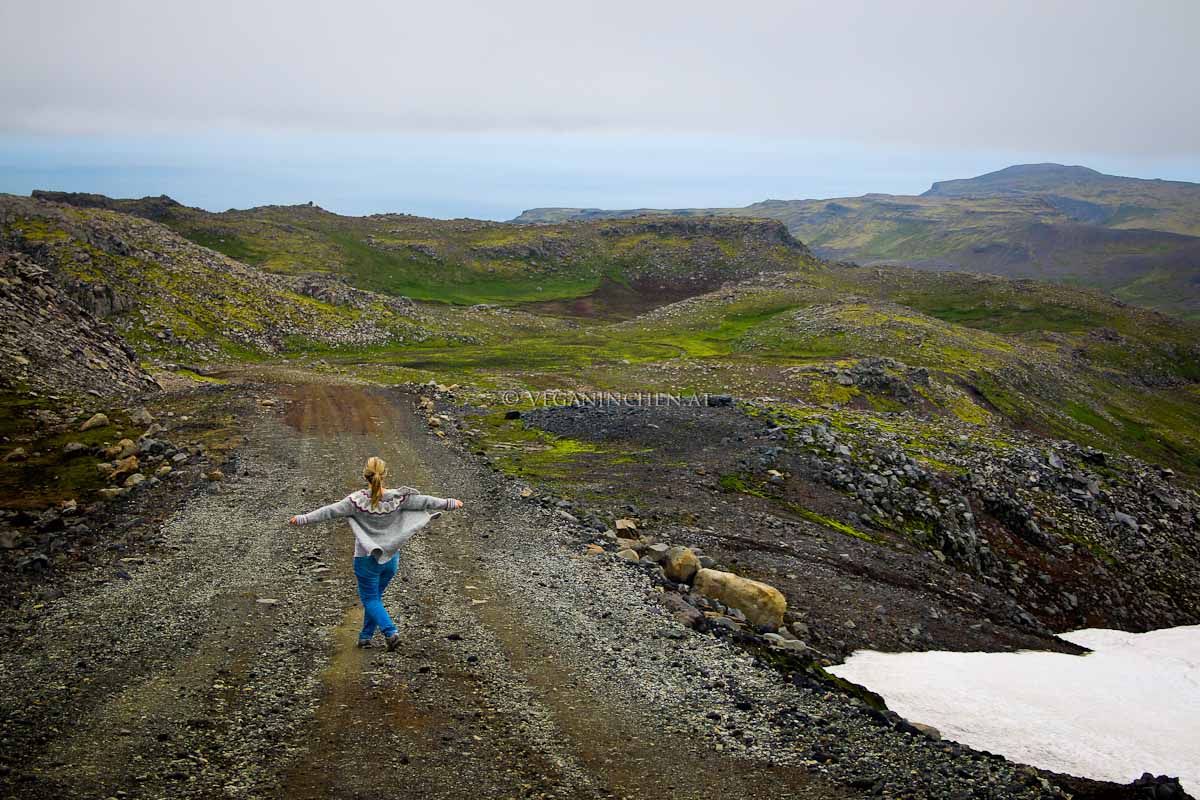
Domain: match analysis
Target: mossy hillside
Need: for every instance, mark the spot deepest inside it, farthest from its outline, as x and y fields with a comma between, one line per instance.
x=921, y=438
x=187, y=300
x=1132, y=365
x=469, y=261
x=871, y=437
x=1006, y=306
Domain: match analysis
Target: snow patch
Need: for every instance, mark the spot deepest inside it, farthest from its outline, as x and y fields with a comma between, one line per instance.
x=1130, y=706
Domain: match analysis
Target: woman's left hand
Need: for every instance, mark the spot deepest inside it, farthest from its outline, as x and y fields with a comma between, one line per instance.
x=294, y=521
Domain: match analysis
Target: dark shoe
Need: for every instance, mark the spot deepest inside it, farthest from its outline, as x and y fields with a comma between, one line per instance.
x=366, y=643
x=393, y=642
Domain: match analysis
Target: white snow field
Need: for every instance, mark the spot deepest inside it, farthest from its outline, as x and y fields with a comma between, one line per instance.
x=1130, y=706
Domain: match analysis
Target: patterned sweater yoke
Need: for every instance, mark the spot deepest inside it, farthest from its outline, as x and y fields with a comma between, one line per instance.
x=380, y=529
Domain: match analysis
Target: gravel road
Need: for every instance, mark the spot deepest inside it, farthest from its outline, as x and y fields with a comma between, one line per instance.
x=225, y=666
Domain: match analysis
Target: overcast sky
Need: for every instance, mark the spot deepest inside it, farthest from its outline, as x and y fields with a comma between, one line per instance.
x=545, y=92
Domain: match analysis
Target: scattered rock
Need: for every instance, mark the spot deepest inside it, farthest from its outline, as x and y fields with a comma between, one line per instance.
x=656, y=552
x=930, y=731
x=95, y=421
x=215, y=475
x=17, y=454
x=1126, y=520
x=683, y=611
x=784, y=643
x=123, y=469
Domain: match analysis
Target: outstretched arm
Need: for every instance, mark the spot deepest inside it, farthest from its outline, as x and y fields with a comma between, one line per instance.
x=426, y=502
x=342, y=508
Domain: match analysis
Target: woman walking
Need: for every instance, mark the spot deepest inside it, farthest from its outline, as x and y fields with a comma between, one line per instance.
x=382, y=520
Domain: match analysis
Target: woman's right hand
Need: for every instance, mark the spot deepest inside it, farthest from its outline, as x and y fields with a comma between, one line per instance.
x=457, y=504
x=294, y=521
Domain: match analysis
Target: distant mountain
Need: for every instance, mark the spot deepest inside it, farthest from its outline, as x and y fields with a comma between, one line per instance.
x=1089, y=196
x=1139, y=239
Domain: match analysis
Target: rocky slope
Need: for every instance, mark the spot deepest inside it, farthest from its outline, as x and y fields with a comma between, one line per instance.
x=167, y=294
x=51, y=339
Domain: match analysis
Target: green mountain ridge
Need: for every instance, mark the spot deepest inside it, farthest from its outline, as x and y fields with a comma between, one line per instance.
x=1139, y=239
x=468, y=261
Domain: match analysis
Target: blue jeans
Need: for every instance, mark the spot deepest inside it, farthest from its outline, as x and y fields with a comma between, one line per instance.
x=373, y=578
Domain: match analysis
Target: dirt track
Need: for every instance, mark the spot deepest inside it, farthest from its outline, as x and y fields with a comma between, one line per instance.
x=521, y=672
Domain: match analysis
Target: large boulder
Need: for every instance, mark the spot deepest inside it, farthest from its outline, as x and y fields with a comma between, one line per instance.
x=95, y=421
x=680, y=564
x=762, y=604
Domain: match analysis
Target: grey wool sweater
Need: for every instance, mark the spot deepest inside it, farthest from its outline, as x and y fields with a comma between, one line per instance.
x=380, y=530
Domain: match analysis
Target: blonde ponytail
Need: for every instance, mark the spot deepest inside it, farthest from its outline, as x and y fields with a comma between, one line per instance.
x=374, y=472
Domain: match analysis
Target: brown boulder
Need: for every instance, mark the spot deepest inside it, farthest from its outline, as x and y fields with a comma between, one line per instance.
x=123, y=469
x=680, y=564
x=95, y=421
x=762, y=604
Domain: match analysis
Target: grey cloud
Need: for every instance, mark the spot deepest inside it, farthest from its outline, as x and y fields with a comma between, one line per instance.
x=1099, y=76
